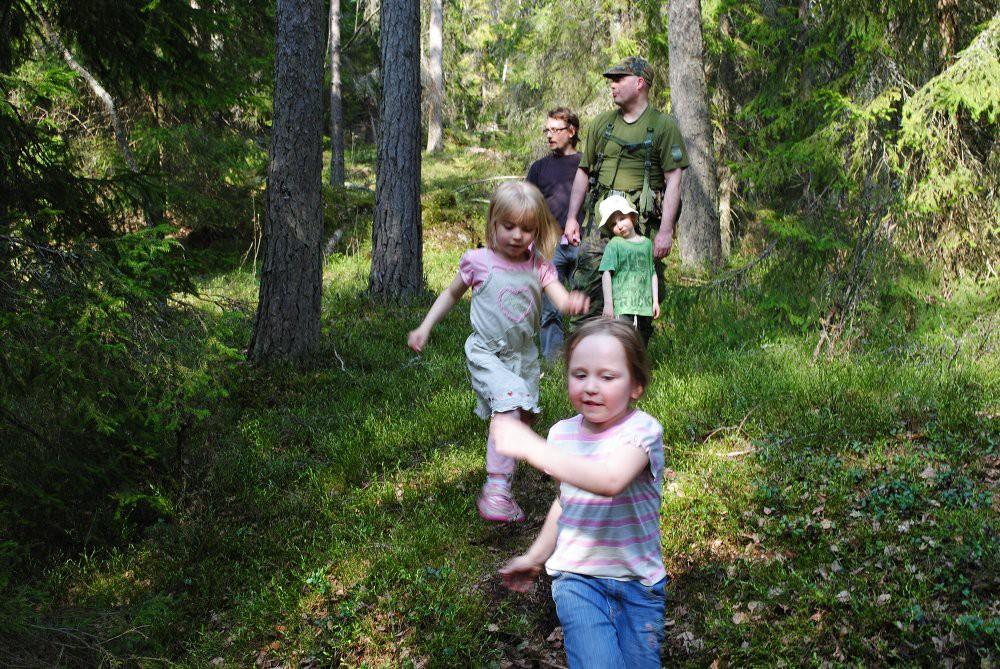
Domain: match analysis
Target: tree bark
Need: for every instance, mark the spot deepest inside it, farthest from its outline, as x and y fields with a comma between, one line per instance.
x=805, y=75
x=337, y=174
x=397, y=263
x=699, y=225
x=435, y=89
x=288, y=313
x=723, y=103
x=947, y=11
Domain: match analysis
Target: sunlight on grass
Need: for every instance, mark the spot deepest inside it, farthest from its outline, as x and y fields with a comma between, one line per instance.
x=841, y=510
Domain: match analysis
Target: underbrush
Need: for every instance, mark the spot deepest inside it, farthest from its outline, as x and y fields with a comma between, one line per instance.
x=836, y=512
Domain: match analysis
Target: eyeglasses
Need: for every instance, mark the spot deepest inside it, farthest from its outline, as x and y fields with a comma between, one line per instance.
x=552, y=131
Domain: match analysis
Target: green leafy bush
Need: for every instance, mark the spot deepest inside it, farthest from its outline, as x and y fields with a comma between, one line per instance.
x=100, y=383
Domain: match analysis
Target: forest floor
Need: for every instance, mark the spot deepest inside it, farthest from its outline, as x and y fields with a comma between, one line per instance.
x=841, y=512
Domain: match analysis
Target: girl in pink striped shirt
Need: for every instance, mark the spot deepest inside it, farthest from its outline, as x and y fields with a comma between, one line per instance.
x=601, y=538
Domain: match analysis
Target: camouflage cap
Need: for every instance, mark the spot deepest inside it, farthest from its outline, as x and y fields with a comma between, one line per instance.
x=633, y=65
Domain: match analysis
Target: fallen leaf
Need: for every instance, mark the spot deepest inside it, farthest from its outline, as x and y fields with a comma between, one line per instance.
x=843, y=596
x=816, y=617
x=739, y=618
x=928, y=473
x=883, y=599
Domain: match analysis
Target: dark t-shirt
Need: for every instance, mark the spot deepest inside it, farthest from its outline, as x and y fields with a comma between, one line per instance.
x=554, y=177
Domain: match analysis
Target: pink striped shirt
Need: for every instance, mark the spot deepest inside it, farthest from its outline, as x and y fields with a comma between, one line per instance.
x=611, y=537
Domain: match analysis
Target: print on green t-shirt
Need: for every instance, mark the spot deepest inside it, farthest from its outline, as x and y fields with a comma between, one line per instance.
x=631, y=266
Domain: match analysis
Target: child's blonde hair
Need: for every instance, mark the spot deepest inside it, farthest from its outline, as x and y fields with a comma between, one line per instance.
x=523, y=204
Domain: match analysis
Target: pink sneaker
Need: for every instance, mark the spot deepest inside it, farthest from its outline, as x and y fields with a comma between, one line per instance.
x=497, y=505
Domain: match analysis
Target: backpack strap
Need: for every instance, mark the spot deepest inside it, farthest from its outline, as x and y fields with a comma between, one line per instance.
x=593, y=184
x=646, y=199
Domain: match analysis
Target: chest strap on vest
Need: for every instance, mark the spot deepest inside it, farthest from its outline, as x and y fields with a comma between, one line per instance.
x=593, y=181
x=596, y=190
x=646, y=198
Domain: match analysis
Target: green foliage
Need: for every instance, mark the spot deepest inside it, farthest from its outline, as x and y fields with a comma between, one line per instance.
x=949, y=128
x=290, y=537
x=822, y=103
x=93, y=397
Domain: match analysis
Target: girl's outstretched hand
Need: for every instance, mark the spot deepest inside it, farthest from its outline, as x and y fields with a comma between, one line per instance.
x=510, y=435
x=417, y=339
x=520, y=573
x=577, y=303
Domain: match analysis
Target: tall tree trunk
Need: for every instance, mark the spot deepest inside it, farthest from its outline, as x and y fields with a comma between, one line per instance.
x=805, y=75
x=723, y=103
x=699, y=225
x=397, y=263
x=727, y=185
x=435, y=91
x=947, y=11
x=102, y=95
x=336, y=101
x=287, y=323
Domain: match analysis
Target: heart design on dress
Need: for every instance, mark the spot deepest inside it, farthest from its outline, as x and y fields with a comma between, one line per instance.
x=515, y=303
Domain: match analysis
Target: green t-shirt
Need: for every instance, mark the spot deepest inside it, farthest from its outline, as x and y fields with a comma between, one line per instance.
x=632, y=272
x=668, y=149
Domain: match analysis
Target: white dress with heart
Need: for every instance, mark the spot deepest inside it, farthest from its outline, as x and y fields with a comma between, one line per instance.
x=501, y=352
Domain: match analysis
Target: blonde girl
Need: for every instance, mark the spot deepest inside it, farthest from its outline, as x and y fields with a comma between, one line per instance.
x=507, y=280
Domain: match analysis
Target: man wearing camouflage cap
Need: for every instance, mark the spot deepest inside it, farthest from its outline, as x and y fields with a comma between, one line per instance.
x=634, y=150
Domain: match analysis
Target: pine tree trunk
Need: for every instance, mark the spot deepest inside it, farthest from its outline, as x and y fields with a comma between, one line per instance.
x=336, y=102
x=723, y=103
x=397, y=263
x=947, y=11
x=727, y=184
x=805, y=75
x=435, y=91
x=699, y=225
x=288, y=313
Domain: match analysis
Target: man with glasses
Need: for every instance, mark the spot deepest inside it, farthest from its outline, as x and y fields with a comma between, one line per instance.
x=636, y=151
x=554, y=175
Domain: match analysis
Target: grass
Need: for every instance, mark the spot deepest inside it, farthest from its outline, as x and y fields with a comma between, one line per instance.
x=838, y=513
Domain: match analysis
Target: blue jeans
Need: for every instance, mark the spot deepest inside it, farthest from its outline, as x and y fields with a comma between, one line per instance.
x=564, y=260
x=609, y=624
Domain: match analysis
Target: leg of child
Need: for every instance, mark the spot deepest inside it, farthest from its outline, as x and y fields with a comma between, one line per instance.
x=584, y=607
x=496, y=502
x=640, y=627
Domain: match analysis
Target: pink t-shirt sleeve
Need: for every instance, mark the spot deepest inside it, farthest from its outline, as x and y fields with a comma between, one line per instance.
x=472, y=267
x=646, y=434
x=546, y=272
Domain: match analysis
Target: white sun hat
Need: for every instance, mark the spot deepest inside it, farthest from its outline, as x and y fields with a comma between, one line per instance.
x=612, y=204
